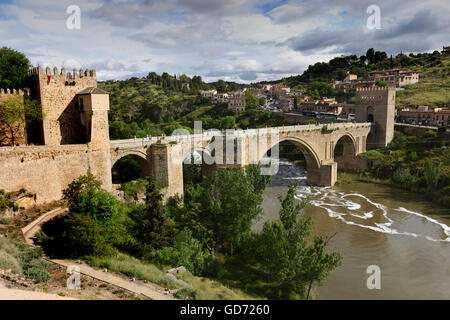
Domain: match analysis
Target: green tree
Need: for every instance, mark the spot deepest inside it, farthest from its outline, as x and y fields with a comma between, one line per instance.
x=229, y=204
x=17, y=111
x=76, y=187
x=370, y=55
x=284, y=249
x=152, y=227
x=14, y=67
x=186, y=251
x=100, y=205
x=431, y=173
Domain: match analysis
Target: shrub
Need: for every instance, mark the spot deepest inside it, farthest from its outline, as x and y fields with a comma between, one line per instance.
x=431, y=173
x=186, y=251
x=77, y=186
x=7, y=261
x=186, y=293
x=37, y=269
x=73, y=236
x=404, y=177
x=5, y=221
x=413, y=156
x=97, y=204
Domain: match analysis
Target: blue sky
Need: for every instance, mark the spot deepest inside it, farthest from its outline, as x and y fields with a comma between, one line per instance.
x=238, y=40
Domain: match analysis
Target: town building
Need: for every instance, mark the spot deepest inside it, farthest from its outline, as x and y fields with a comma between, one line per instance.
x=395, y=77
x=424, y=115
x=236, y=101
x=320, y=106
x=445, y=51
x=286, y=103
x=208, y=94
x=221, y=98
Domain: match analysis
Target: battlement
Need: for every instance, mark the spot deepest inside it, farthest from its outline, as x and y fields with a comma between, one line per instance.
x=5, y=92
x=65, y=75
x=374, y=89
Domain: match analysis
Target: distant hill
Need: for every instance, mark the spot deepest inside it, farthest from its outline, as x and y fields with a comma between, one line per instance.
x=433, y=88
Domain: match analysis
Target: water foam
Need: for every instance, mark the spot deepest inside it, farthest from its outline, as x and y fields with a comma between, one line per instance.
x=342, y=206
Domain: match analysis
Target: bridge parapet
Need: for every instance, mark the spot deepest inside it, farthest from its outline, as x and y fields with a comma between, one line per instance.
x=208, y=135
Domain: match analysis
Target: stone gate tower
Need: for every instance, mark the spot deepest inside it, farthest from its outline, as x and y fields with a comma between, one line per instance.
x=376, y=105
x=75, y=110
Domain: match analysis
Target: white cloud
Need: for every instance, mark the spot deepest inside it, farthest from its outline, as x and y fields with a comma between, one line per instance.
x=234, y=40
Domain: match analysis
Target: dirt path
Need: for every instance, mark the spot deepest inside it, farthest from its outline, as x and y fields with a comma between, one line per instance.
x=149, y=290
x=30, y=230
x=17, y=294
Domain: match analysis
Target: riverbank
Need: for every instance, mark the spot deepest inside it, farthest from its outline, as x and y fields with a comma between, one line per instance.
x=431, y=196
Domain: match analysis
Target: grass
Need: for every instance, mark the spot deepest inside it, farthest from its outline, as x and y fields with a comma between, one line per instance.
x=23, y=260
x=433, y=88
x=202, y=288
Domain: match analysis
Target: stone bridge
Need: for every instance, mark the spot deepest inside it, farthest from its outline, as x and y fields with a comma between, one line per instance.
x=163, y=156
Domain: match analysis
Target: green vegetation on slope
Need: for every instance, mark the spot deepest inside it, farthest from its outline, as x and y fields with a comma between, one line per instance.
x=416, y=163
x=433, y=88
x=21, y=259
x=204, y=232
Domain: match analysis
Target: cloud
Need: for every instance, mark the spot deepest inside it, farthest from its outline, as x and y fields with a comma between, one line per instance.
x=239, y=40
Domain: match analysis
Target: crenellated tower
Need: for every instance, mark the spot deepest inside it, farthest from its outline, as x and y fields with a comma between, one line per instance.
x=377, y=105
x=60, y=95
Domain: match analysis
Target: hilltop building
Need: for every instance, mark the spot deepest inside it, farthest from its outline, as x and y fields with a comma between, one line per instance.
x=396, y=77
x=208, y=94
x=236, y=101
x=424, y=115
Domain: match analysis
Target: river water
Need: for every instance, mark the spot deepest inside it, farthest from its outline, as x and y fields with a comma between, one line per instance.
x=405, y=235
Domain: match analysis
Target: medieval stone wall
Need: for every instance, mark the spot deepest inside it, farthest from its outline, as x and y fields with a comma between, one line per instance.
x=46, y=171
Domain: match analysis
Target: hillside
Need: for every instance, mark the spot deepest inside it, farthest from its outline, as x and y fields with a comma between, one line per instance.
x=433, y=88
x=142, y=109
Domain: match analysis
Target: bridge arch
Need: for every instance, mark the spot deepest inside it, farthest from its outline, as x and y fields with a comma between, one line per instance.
x=313, y=165
x=344, y=153
x=345, y=145
x=130, y=165
x=312, y=159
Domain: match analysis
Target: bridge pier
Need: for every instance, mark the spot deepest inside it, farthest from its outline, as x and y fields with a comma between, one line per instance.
x=325, y=176
x=167, y=168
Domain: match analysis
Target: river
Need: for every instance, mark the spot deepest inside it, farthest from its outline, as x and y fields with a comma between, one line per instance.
x=405, y=235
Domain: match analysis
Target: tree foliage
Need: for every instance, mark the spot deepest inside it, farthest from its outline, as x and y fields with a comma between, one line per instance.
x=14, y=67
x=284, y=249
x=17, y=111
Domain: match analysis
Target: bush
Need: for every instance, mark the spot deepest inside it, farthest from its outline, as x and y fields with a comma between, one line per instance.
x=37, y=269
x=431, y=173
x=7, y=261
x=100, y=205
x=186, y=293
x=404, y=178
x=186, y=251
x=73, y=236
x=5, y=221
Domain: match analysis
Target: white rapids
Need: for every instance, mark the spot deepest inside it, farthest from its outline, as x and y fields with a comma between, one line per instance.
x=354, y=208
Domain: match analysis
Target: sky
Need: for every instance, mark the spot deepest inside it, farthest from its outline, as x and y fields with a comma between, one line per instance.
x=234, y=40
